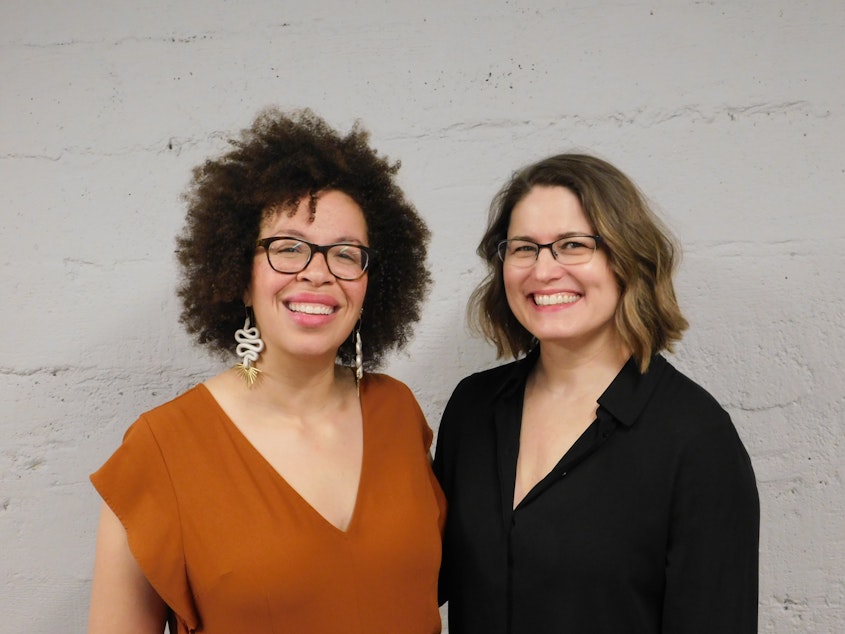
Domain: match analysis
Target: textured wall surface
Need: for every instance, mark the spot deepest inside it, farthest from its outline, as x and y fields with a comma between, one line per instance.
x=730, y=115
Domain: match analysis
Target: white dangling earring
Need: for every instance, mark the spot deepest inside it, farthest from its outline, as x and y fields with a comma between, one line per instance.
x=359, y=358
x=249, y=347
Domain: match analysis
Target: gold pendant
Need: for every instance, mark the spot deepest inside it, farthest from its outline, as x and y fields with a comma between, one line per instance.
x=249, y=373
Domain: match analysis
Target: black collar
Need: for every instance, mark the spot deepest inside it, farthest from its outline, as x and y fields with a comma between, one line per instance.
x=517, y=376
x=627, y=395
x=624, y=399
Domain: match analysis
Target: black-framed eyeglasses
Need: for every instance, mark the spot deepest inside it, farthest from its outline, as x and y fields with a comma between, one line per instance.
x=292, y=255
x=572, y=249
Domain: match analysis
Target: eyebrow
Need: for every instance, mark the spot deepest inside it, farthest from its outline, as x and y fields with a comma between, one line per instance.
x=560, y=236
x=293, y=233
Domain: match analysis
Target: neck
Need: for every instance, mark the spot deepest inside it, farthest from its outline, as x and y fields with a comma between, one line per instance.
x=564, y=368
x=302, y=386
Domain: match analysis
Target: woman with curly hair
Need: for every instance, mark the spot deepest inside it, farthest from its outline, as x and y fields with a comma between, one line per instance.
x=592, y=487
x=293, y=492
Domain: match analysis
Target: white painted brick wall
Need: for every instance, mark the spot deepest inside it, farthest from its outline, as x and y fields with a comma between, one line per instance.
x=730, y=114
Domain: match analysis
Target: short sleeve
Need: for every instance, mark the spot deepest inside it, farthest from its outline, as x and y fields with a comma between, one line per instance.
x=135, y=483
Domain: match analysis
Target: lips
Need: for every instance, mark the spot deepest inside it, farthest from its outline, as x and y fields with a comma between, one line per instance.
x=311, y=305
x=310, y=308
x=555, y=299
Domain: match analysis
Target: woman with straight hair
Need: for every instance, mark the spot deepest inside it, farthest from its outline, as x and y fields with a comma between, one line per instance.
x=592, y=487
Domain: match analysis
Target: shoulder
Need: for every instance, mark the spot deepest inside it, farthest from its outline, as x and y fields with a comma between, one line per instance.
x=387, y=392
x=476, y=395
x=681, y=398
x=390, y=405
x=676, y=426
x=475, y=398
x=386, y=384
x=383, y=394
x=487, y=382
x=691, y=418
x=179, y=415
x=158, y=439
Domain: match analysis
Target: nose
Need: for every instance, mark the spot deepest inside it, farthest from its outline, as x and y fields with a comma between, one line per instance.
x=547, y=266
x=317, y=270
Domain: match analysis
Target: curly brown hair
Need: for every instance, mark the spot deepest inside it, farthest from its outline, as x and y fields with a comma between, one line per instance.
x=641, y=251
x=279, y=160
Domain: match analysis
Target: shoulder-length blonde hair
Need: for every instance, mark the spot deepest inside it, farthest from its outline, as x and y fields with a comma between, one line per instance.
x=641, y=252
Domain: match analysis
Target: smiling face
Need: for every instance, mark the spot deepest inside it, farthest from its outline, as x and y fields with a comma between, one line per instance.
x=308, y=315
x=572, y=305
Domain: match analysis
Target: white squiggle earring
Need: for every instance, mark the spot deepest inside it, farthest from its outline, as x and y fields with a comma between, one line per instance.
x=359, y=358
x=250, y=345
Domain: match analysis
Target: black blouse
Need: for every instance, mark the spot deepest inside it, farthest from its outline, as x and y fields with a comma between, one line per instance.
x=648, y=525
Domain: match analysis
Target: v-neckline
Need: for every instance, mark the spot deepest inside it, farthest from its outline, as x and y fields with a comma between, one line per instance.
x=237, y=433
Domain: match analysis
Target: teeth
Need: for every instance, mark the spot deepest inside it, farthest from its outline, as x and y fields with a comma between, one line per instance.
x=310, y=309
x=557, y=298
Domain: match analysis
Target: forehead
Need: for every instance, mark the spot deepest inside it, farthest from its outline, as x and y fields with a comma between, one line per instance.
x=548, y=210
x=334, y=215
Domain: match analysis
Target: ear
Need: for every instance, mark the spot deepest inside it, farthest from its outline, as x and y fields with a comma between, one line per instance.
x=247, y=297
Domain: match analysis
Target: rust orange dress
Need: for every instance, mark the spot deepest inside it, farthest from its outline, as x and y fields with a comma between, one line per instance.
x=232, y=548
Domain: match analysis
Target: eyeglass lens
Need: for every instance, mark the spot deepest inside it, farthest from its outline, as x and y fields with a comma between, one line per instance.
x=568, y=250
x=345, y=261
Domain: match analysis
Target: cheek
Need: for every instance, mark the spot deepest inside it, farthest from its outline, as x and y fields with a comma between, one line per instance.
x=509, y=279
x=603, y=277
x=513, y=278
x=356, y=292
x=512, y=283
x=265, y=285
x=612, y=293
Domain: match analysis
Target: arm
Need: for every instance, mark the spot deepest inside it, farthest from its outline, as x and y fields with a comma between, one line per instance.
x=121, y=597
x=712, y=554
